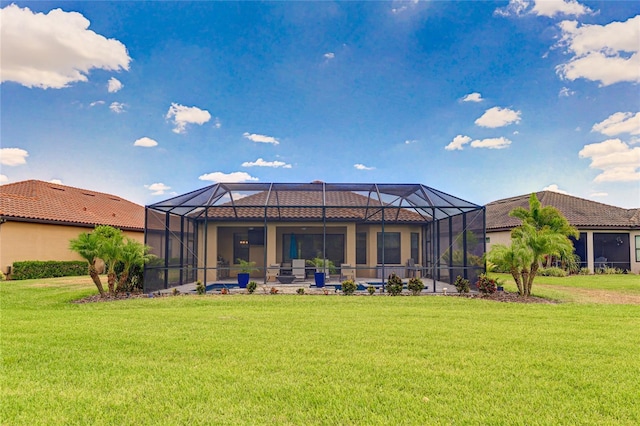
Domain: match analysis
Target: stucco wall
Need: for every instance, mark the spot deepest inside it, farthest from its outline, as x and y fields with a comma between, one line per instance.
x=21, y=241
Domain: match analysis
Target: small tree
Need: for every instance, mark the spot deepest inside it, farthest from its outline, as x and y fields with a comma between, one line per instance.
x=133, y=254
x=544, y=232
x=87, y=246
x=461, y=284
x=110, y=246
x=349, y=287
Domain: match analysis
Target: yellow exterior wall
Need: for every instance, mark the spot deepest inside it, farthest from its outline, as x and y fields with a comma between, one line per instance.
x=23, y=241
x=220, y=243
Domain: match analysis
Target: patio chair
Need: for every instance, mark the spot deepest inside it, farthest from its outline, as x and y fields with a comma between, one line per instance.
x=347, y=272
x=413, y=269
x=272, y=271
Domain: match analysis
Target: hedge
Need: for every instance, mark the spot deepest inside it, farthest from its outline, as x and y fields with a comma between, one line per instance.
x=48, y=269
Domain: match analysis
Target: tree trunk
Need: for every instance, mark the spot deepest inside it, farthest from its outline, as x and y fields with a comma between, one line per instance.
x=525, y=279
x=516, y=277
x=124, y=276
x=111, y=282
x=532, y=275
x=93, y=273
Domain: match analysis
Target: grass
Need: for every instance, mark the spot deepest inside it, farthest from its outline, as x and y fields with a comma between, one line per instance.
x=612, y=289
x=289, y=359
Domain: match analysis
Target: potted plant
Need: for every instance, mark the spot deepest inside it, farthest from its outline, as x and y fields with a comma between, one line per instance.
x=246, y=268
x=322, y=265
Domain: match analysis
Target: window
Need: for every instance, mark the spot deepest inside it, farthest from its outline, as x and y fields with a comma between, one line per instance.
x=391, y=248
x=415, y=244
x=361, y=248
x=240, y=247
x=637, y=248
x=309, y=246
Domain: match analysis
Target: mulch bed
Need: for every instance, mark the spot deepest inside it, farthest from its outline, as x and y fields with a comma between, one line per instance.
x=505, y=296
x=112, y=298
x=499, y=296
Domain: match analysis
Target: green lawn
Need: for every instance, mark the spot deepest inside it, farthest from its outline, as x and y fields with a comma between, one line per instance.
x=304, y=360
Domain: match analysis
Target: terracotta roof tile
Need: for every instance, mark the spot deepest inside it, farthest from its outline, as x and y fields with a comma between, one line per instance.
x=43, y=201
x=291, y=207
x=579, y=212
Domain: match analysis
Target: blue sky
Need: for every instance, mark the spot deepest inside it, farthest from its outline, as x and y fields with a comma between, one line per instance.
x=483, y=100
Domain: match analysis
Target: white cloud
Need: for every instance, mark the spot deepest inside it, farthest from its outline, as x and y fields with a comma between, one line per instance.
x=3, y=179
x=329, y=55
x=183, y=115
x=158, y=188
x=498, y=117
x=514, y=8
x=554, y=188
x=410, y=141
x=260, y=138
x=400, y=6
x=114, y=85
x=605, y=53
x=117, y=107
x=217, y=123
x=551, y=8
x=491, y=143
x=221, y=177
x=548, y=8
x=457, y=143
x=618, y=161
x=261, y=163
x=363, y=167
x=473, y=97
x=145, y=142
x=13, y=156
x=599, y=194
x=56, y=181
x=54, y=50
x=620, y=122
x=565, y=92
x=92, y=104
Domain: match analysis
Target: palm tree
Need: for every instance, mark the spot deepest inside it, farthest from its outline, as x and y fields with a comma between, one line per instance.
x=133, y=254
x=110, y=243
x=86, y=245
x=544, y=232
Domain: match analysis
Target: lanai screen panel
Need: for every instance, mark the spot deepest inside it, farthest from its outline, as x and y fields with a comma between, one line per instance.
x=450, y=225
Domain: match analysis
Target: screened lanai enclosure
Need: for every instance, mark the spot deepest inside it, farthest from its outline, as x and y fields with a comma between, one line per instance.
x=360, y=231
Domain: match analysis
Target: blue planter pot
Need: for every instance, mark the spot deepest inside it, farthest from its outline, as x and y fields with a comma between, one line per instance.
x=243, y=279
x=319, y=276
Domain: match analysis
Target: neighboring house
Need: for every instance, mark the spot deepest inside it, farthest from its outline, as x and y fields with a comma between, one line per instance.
x=609, y=235
x=37, y=219
x=369, y=230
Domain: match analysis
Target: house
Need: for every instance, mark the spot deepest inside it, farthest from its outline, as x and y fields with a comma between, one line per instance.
x=609, y=235
x=37, y=219
x=369, y=230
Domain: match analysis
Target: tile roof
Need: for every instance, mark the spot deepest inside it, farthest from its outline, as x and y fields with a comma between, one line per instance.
x=35, y=200
x=579, y=212
x=306, y=205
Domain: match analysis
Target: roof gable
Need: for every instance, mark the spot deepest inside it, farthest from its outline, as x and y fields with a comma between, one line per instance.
x=35, y=200
x=580, y=212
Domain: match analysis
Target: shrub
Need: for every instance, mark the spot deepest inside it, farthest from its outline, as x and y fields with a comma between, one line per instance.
x=486, y=285
x=394, y=285
x=349, y=287
x=273, y=290
x=300, y=291
x=2, y=276
x=32, y=269
x=371, y=289
x=605, y=271
x=251, y=287
x=224, y=291
x=415, y=285
x=462, y=285
x=200, y=288
x=584, y=271
x=552, y=272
